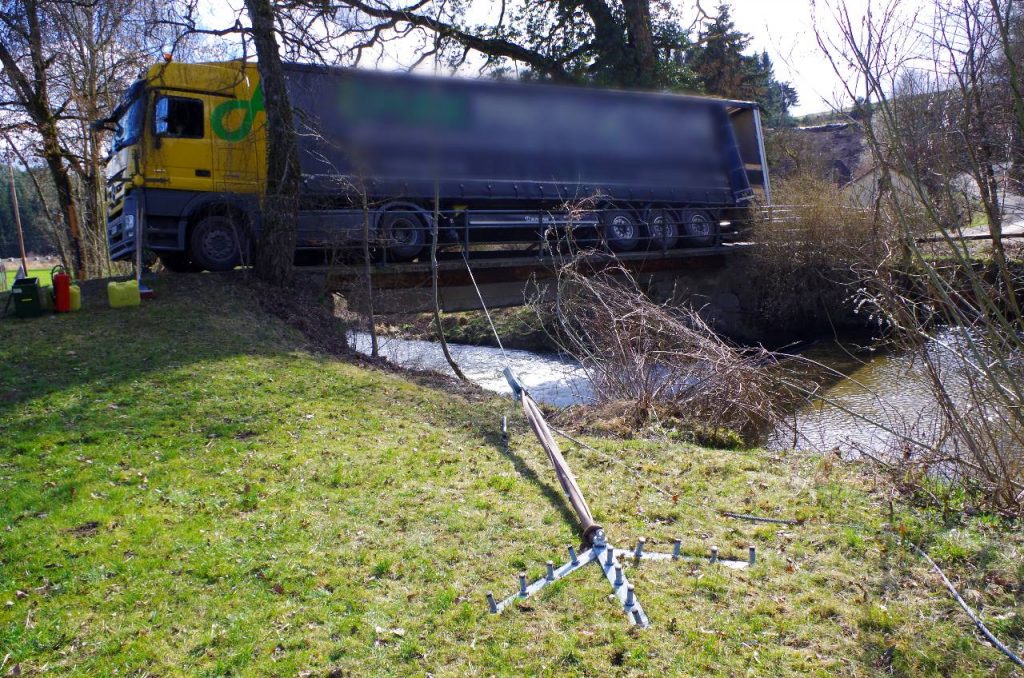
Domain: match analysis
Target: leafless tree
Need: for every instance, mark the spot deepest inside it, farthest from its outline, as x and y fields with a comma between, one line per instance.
x=276, y=246
x=301, y=30
x=26, y=58
x=66, y=62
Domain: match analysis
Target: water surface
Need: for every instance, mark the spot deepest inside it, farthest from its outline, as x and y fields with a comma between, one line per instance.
x=885, y=392
x=889, y=388
x=550, y=379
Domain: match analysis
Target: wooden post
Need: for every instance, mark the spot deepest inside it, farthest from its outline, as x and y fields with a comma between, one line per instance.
x=17, y=221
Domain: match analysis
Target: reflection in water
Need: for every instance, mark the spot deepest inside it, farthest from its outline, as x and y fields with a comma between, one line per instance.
x=884, y=390
x=885, y=387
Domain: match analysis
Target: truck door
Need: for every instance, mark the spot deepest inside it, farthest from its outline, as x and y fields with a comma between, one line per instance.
x=236, y=157
x=182, y=156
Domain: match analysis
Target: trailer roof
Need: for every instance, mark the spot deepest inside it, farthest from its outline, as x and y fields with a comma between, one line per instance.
x=733, y=104
x=399, y=75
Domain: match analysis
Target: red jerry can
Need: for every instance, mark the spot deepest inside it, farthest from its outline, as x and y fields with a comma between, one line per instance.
x=61, y=290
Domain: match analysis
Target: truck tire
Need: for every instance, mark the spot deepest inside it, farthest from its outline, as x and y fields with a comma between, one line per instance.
x=662, y=230
x=177, y=262
x=214, y=243
x=404, y=234
x=700, y=229
x=620, y=229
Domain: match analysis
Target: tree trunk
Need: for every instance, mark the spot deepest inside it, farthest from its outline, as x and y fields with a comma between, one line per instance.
x=32, y=90
x=433, y=279
x=275, y=247
x=65, y=195
x=641, y=40
x=96, y=203
x=46, y=123
x=17, y=224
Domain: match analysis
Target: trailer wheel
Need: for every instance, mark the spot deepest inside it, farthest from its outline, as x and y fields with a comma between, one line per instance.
x=662, y=230
x=404, y=234
x=215, y=243
x=699, y=228
x=621, y=231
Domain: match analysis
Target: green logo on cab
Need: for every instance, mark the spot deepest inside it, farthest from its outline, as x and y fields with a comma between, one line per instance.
x=221, y=113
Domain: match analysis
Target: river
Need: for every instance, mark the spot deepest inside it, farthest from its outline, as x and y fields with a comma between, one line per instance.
x=884, y=391
x=881, y=386
x=549, y=378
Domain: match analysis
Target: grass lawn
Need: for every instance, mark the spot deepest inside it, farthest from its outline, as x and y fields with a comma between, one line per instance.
x=42, y=273
x=186, y=490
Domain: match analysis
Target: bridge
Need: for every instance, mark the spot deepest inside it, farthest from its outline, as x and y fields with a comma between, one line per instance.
x=723, y=281
x=694, y=274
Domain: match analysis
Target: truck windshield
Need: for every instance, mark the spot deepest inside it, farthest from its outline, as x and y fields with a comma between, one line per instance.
x=129, y=123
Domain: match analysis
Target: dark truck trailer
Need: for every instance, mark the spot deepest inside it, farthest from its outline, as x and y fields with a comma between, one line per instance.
x=499, y=162
x=500, y=153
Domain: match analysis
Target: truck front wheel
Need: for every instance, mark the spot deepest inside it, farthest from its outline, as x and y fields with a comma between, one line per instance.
x=621, y=231
x=215, y=243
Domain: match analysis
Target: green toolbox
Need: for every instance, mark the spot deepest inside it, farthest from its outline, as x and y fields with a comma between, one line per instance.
x=25, y=297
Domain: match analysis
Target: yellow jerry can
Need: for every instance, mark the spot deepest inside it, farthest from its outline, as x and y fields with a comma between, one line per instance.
x=123, y=294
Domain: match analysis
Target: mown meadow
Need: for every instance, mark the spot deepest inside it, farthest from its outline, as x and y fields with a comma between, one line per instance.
x=186, y=488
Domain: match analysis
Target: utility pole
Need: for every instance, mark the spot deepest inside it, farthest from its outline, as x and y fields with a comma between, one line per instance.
x=17, y=221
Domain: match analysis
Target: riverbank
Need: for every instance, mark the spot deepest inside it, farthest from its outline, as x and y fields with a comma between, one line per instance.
x=519, y=327
x=195, y=486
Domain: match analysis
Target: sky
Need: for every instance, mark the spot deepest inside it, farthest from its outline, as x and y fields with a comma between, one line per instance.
x=783, y=28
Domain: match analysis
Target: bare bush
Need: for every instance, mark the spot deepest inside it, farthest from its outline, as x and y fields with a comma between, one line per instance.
x=813, y=249
x=957, y=314
x=953, y=320
x=657, y=360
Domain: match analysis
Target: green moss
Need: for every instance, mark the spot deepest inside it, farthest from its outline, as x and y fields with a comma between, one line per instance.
x=877, y=617
x=519, y=328
x=713, y=437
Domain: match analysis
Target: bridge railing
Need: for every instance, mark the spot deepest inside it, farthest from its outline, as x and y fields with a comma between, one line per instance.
x=481, y=234
x=793, y=213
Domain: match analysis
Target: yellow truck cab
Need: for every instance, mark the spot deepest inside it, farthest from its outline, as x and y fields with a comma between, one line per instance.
x=188, y=157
